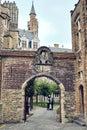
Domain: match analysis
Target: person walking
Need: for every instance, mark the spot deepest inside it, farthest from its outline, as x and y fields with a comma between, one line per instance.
x=52, y=102
x=48, y=103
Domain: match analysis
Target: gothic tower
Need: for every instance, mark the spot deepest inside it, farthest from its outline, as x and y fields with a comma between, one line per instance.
x=4, y=21
x=33, y=27
x=33, y=23
x=13, y=24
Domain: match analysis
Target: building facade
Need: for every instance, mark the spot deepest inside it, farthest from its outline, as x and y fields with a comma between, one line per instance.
x=10, y=36
x=21, y=68
x=65, y=67
x=4, y=20
x=79, y=47
x=9, y=25
x=28, y=39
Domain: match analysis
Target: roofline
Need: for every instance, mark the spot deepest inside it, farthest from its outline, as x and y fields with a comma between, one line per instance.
x=27, y=53
x=72, y=11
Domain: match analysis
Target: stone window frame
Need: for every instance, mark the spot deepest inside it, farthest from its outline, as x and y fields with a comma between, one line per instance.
x=30, y=44
x=78, y=36
x=24, y=43
x=35, y=45
x=80, y=74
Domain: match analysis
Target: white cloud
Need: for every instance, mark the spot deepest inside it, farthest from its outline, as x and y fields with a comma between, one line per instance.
x=2, y=1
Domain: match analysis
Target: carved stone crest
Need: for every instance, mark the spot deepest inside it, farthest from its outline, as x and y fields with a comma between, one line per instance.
x=43, y=56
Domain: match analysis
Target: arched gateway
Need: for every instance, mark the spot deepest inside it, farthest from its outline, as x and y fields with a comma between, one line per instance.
x=19, y=67
x=62, y=112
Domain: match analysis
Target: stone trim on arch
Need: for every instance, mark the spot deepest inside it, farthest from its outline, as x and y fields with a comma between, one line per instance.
x=62, y=102
x=41, y=75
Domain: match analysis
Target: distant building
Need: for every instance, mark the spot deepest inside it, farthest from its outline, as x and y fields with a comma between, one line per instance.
x=8, y=25
x=56, y=48
x=10, y=36
x=4, y=23
x=28, y=39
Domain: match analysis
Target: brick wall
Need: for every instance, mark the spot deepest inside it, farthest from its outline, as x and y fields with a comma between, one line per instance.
x=18, y=66
x=12, y=105
x=79, y=14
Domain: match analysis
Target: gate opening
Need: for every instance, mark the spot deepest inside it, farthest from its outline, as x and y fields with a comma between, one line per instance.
x=37, y=91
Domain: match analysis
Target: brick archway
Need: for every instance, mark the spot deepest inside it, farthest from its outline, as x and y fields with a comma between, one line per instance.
x=62, y=89
x=20, y=67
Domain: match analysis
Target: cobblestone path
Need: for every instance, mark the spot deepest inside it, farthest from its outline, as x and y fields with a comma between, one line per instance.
x=43, y=120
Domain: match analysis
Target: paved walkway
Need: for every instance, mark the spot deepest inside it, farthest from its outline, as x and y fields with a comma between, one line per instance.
x=43, y=120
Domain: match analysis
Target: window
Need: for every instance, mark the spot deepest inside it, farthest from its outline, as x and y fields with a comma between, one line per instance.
x=24, y=43
x=30, y=44
x=86, y=2
x=80, y=75
x=35, y=45
x=79, y=33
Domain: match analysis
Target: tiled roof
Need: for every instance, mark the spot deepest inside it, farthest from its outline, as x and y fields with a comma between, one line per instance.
x=54, y=49
x=29, y=35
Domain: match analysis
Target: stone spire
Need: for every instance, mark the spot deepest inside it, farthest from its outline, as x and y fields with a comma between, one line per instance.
x=32, y=9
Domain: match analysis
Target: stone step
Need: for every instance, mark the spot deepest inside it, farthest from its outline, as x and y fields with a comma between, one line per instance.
x=80, y=122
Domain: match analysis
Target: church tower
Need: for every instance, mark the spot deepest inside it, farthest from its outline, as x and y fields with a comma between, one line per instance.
x=33, y=23
x=13, y=11
x=33, y=27
x=13, y=24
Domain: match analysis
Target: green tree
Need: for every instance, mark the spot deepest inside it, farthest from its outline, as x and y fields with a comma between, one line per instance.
x=36, y=89
x=30, y=92
x=41, y=88
x=45, y=88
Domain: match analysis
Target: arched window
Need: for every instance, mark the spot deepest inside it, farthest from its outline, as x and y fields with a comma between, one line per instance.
x=81, y=92
x=79, y=34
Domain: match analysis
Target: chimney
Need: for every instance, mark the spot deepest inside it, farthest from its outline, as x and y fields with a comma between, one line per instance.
x=56, y=45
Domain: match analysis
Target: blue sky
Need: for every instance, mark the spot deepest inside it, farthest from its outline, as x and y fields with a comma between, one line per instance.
x=53, y=17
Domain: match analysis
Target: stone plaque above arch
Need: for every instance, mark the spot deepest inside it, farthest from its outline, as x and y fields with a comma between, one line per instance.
x=43, y=56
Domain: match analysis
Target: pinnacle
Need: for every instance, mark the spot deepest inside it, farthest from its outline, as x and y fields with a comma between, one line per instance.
x=32, y=9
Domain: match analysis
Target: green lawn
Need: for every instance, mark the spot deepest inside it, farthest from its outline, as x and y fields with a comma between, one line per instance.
x=43, y=104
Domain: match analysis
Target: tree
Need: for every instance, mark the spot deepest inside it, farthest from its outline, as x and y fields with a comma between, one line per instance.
x=45, y=88
x=30, y=92
x=37, y=90
x=42, y=88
